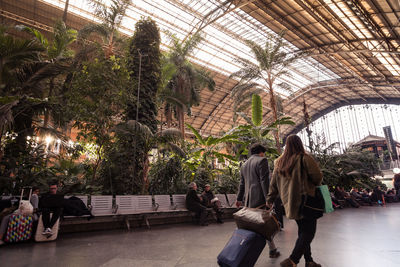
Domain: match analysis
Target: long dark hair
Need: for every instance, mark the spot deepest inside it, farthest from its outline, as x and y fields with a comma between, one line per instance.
x=286, y=162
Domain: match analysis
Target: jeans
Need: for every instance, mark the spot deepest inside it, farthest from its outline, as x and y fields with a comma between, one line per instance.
x=306, y=233
x=47, y=222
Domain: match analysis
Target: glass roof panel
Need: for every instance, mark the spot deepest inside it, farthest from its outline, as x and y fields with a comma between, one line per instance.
x=349, y=15
x=224, y=39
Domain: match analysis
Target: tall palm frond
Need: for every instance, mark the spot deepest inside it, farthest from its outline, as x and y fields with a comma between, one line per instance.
x=185, y=79
x=272, y=63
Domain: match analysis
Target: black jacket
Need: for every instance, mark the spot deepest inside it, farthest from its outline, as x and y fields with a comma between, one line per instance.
x=192, y=199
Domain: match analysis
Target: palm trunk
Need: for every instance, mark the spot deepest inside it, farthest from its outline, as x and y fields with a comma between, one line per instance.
x=181, y=121
x=145, y=185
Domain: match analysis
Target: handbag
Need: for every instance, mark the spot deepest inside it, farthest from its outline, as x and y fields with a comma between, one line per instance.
x=312, y=207
x=257, y=220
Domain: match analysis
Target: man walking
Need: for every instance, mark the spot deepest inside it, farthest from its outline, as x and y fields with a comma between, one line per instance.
x=254, y=183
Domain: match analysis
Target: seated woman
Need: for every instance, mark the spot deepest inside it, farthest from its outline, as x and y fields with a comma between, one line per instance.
x=24, y=209
x=193, y=203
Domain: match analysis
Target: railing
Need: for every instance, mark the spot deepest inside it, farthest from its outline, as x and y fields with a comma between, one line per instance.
x=389, y=165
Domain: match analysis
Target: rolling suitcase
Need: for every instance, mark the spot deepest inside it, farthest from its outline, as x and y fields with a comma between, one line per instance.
x=39, y=237
x=242, y=250
x=19, y=227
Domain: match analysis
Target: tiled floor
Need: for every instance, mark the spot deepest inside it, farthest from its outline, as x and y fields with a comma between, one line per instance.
x=365, y=237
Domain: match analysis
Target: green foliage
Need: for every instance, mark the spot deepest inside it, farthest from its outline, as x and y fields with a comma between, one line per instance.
x=229, y=180
x=354, y=167
x=166, y=176
x=273, y=62
x=126, y=164
x=95, y=99
x=183, y=81
x=257, y=110
x=145, y=42
x=111, y=16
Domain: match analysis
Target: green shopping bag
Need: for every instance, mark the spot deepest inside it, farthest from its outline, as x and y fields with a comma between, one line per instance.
x=327, y=198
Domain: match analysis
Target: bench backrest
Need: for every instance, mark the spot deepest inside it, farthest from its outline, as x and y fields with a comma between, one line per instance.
x=231, y=200
x=179, y=202
x=143, y=204
x=163, y=202
x=125, y=204
x=222, y=199
x=102, y=205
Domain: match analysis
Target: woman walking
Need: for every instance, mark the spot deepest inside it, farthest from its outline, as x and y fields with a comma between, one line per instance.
x=295, y=174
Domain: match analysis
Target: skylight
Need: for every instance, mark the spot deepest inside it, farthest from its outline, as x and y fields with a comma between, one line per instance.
x=351, y=16
x=224, y=39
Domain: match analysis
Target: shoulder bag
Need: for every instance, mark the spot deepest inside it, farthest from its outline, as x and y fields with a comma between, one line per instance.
x=312, y=207
x=257, y=220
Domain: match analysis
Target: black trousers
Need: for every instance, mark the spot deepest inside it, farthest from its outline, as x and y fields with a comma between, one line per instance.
x=47, y=222
x=201, y=212
x=306, y=233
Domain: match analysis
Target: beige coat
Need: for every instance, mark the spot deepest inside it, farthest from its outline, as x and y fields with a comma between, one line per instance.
x=291, y=188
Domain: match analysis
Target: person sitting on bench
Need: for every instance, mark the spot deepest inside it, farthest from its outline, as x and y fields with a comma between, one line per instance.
x=51, y=203
x=211, y=201
x=193, y=203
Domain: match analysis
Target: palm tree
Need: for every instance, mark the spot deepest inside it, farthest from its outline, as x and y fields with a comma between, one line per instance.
x=57, y=52
x=182, y=91
x=273, y=63
x=254, y=131
x=111, y=18
x=14, y=53
x=25, y=72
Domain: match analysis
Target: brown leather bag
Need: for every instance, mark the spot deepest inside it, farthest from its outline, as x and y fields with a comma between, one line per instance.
x=257, y=220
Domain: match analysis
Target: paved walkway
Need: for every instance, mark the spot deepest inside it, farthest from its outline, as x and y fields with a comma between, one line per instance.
x=365, y=237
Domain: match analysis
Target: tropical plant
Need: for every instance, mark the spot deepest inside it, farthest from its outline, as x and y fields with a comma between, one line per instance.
x=166, y=176
x=95, y=102
x=208, y=149
x=143, y=61
x=56, y=51
x=273, y=63
x=111, y=18
x=26, y=85
x=126, y=170
x=27, y=168
x=255, y=132
x=354, y=167
x=15, y=53
x=185, y=80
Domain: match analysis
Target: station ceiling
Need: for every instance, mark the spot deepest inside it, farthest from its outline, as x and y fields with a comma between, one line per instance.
x=353, y=47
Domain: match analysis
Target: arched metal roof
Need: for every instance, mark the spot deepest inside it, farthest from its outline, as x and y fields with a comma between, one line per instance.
x=353, y=46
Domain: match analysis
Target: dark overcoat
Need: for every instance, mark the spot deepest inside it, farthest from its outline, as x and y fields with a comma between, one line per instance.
x=254, y=182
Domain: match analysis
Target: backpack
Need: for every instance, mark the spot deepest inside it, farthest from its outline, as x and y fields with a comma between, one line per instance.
x=74, y=206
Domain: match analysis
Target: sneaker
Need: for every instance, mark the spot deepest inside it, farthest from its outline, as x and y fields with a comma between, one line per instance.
x=288, y=263
x=48, y=231
x=312, y=264
x=274, y=253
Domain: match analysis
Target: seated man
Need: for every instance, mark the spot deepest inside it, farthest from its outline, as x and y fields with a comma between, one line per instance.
x=51, y=203
x=358, y=197
x=209, y=200
x=193, y=203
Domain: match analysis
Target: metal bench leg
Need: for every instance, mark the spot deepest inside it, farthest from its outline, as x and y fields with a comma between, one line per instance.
x=128, y=225
x=146, y=221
